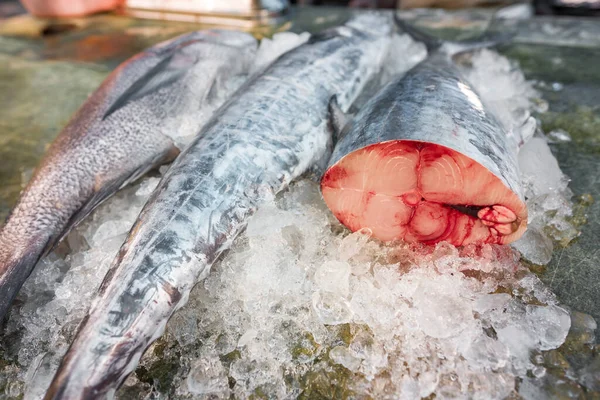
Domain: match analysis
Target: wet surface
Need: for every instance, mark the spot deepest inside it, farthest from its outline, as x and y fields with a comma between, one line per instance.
x=48, y=68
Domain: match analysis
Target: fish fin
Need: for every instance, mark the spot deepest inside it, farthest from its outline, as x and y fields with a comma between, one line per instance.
x=16, y=268
x=107, y=189
x=488, y=39
x=15, y=272
x=323, y=36
x=339, y=121
x=163, y=74
x=213, y=92
x=431, y=42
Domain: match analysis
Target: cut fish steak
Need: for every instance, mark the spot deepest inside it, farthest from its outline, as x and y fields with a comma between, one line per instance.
x=425, y=161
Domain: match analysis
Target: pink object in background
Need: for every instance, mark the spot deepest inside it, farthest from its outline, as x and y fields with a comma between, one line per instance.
x=68, y=8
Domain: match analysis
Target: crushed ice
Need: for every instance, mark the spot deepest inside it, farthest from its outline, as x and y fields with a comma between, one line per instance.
x=301, y=307
x=546, y=190
x=404, y=321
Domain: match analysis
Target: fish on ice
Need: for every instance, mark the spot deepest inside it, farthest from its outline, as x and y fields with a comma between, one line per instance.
x=267, y=134
x=119, y=133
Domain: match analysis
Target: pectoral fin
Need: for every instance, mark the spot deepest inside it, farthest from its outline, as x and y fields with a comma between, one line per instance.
x=105, y=189
x=339, y=121
x=165, y=73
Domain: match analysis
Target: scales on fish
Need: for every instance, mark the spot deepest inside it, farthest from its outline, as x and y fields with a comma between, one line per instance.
x=121, y=132
x=425, y=161
x=269, y=133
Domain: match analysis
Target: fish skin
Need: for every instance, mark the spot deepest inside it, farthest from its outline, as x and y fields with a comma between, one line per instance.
x=268, y=134
x=117, y=135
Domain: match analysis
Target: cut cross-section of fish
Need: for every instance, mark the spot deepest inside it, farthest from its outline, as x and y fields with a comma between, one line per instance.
x=422, y=192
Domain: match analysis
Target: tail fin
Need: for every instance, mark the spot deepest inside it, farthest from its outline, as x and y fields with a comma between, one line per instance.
x=489, y=39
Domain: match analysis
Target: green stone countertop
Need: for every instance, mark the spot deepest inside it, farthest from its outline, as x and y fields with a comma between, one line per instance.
x=47, y=69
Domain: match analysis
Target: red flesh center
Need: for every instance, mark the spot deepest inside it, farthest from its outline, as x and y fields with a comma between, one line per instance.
x=422, y=192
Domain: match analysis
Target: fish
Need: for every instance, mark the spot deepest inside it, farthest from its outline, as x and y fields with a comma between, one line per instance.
x=267, y=134
x=119, y=133
x=425, y=160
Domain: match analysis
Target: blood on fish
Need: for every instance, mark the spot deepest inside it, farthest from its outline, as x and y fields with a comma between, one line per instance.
x=422, y=192
x=335, y=174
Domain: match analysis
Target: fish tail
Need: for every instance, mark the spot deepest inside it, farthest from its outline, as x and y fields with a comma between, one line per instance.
x=17, y=261
x=490, y=38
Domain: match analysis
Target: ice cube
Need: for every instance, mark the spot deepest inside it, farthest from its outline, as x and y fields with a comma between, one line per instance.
x=207, y=376
x=534, y=246
x=533, y=286
x=353, y=244
x=515, y=12
x=147, y=186
x=489, y=302
x=404, y=54
x=109, y=230
x=409, y=388
x=549, y=325
x=333, y=276
x=538, y=372
x=558, y=136
x=331, y=308
x=442, y=312
x=266, y=221
x=539, y=166
x=486, y=353
x=519, y=341
x=342, y=356
x=530, y=389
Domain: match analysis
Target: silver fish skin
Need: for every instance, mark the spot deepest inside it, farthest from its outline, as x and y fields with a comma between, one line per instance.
x=426, y=104
x=270, y=132
x=119, y=133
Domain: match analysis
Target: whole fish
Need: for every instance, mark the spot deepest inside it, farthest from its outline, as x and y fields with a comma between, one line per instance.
x=118, y=134
x=425, y=161
x=269, y=133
